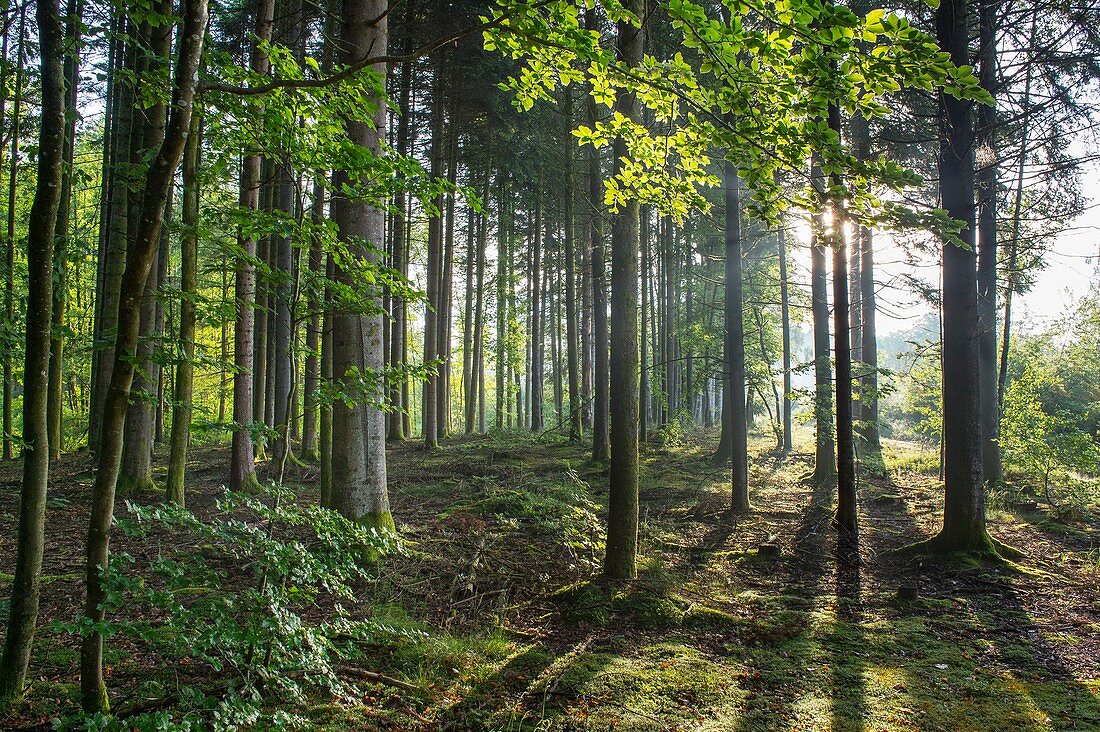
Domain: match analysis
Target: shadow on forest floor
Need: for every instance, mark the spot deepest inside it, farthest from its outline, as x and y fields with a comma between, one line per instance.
x=755, y=622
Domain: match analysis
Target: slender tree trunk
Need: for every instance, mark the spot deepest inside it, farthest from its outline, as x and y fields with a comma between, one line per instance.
x=113, y=259
x=55, y=399
x=312, y=382
x=824, y=459
x=469, y=382
x=737, y=424
x=964, y=506
x=987, y=246
x=139, y=429
x=785, y=318
x=433, y=309
x=502, y=303
x=1017, y=209
x=479, y=310
x=324, y=427
x=537, y=336
x=601, y=366
x=446, y=292
x=846, y=462
x=185, y=368
x=242, y=471
x=842, y=354
x=359, y=432
x=643, y=376
x=23, y=606
x=622, y=512
x=9, y=256
x=139, y=261
x=572, y=337
x=398, y=326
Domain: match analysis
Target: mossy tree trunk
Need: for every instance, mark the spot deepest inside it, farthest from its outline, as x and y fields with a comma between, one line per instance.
x=189, y=258
x=139, y=261
x=358, y=469
x=23, y=607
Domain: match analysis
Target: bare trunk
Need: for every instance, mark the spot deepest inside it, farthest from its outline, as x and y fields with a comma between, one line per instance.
x=23, y=606
x=138, y=264
x=737, y=416
x=185, y=369
x=359, y=431
x=622, y=512
x=242, y=471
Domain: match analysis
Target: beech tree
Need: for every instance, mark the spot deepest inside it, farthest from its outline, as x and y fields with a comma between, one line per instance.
x=23, y=611
x=139, y=261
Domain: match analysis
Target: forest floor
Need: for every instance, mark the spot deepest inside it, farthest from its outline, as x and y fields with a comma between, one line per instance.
x=750, y=622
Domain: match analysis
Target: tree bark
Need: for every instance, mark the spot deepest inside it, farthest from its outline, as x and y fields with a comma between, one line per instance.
x=824, y=459
x=622, y=513
x=139, y=429
x=737, y=415
x=987, y=246
x=359, y=432
x=785, y=318
x=964, y=526
x=183, y=391
x=113, y=250
x=601, y=449
x=9, y=255
x=73, y=17
x=537, y=336
x=23, y=607
x=242, y=470
x=434, y=305
x=139, y=261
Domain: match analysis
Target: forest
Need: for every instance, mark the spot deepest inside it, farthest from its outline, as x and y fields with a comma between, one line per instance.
x=550, y=365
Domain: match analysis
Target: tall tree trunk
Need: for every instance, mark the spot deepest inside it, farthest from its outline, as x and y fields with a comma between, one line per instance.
x=359, y=431
x=824, y=458
x=964, y=505
x=55, y=399
x=622, y=512
x=987, y=246
x=737, y=424
x=139, y=261
x=113, y=249
x=785, y=318
x=185, y=367
x=469, y=384
x=324, y=427
x=537, y=376
x=1017, y=209
x=644, y=370
x=9, y=255
x=502, y=302
x=868, y=378
x=285, y=378
x=23, y=606
x=446, y=292
x=842, y=354
x=242, y=471
x=601, y=366
x=479, y=310
x=137, y=459
x=433, y=308
x=398, y=325
x=312, y=381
